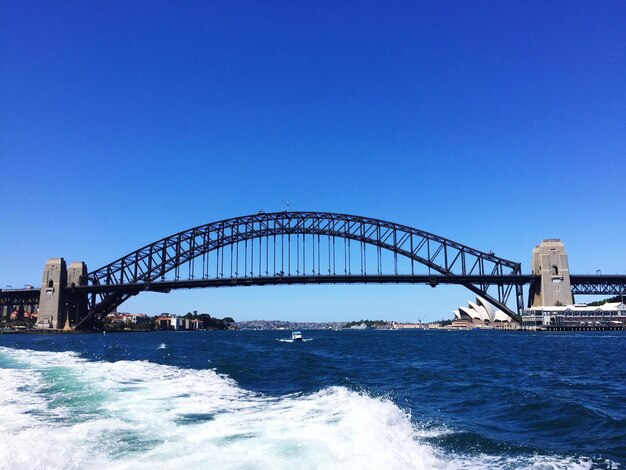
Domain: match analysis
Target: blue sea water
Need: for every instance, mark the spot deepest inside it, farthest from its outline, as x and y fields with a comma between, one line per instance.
x=346, y=399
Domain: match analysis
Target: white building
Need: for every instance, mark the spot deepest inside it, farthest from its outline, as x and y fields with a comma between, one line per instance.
x=578, y=316
x=481, y=313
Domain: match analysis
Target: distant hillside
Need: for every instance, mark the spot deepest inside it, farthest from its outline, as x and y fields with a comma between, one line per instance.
x=617, y=298
x=368, y=323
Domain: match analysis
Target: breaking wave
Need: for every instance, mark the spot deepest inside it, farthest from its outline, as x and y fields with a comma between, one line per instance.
x=58, y=410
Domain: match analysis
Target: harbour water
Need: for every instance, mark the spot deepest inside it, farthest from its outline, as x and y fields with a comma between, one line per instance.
x=345, y=399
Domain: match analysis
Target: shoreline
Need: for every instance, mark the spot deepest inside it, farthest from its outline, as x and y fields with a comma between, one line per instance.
x=522, y=330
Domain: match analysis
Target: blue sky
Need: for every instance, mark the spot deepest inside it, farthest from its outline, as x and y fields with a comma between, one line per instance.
x=495, y=124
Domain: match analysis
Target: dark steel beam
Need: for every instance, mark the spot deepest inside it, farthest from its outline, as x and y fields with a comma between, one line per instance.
x=433, y=280
x=598, y=284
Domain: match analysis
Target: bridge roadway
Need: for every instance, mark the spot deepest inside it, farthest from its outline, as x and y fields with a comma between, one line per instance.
x=433, y=280
x=582, y=284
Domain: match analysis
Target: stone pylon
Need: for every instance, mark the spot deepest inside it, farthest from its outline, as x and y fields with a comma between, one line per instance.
x=550, y=262
x=60, y=305
x=76, y=302
x=51, y=298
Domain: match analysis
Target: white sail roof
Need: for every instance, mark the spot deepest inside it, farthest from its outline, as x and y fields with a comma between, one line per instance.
x=483, y=311
x=470, y=312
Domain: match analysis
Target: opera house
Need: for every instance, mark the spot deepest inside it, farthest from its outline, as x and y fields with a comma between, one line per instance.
x=481, y=313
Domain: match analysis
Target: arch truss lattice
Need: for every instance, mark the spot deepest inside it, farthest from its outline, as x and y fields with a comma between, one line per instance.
x=298, y=247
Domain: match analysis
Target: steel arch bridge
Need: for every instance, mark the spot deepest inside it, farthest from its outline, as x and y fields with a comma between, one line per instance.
x=299, y=248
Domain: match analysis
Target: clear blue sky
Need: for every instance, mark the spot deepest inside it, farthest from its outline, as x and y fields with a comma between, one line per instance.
x=496, y=124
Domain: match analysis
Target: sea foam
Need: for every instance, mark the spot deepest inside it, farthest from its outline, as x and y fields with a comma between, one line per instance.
x=60, y=411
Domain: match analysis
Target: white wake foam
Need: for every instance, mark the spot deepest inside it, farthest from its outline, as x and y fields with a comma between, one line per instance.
x=60, y=411
x=287, y=340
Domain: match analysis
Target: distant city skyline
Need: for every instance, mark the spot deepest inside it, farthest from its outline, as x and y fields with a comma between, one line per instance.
x=494, y=125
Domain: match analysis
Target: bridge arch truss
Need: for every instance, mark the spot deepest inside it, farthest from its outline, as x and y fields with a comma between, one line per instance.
x=289, y=247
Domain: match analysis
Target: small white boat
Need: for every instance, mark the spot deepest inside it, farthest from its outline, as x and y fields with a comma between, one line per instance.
x=296, y=336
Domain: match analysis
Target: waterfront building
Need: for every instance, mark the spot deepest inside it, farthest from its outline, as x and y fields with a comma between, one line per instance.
x=163, y=323
x=127, y=318
x=174, y=322
x=191, y=324
x=407, y=326
x=608, y=316
x=481, y=314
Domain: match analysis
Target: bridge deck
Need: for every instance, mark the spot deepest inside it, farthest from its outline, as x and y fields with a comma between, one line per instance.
x=517, y=279
x=582, y=284
x=434, y=280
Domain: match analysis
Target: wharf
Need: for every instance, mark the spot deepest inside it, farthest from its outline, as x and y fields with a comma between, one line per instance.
x=577, y=328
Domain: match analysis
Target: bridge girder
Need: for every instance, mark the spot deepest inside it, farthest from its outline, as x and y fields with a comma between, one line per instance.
x=598, y=284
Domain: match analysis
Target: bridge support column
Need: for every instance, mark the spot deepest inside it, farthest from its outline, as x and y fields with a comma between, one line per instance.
x=75, y=303
x=51, y=305
x=550, y=262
